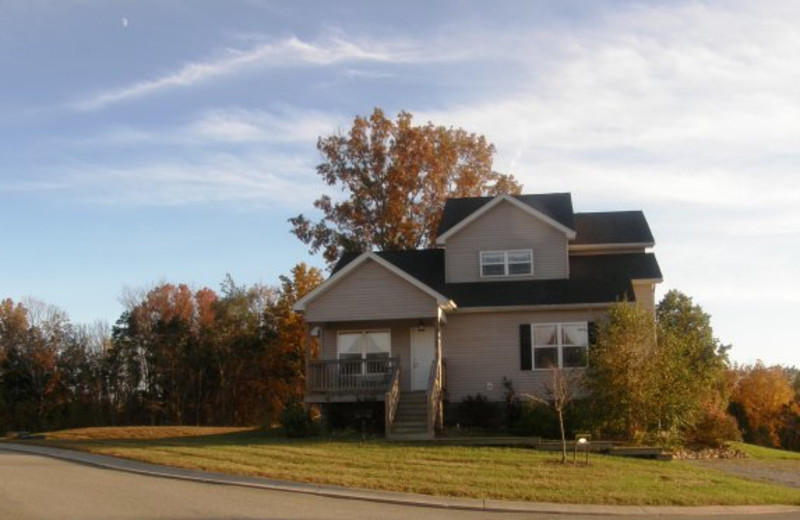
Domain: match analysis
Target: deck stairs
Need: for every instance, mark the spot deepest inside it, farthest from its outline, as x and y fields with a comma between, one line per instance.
x=411, y=418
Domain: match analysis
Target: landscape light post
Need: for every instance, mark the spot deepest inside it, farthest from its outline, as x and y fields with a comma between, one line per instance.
x=582, y=440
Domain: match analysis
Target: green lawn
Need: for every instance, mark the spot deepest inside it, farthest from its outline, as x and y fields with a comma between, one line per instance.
x=497, y=473
x=761, y=453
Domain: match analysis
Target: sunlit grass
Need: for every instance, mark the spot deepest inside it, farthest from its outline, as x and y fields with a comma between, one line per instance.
x=762, y=453
x=475, y=472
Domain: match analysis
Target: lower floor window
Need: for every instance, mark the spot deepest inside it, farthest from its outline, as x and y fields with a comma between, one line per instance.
x=559, y=345
x=372, y=348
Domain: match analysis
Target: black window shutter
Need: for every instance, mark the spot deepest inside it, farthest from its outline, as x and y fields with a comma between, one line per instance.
x=525, y=353
x=592, y=332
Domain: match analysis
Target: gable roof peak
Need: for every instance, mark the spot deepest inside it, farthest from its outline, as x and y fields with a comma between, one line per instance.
x=343, y=269
x=553, y=208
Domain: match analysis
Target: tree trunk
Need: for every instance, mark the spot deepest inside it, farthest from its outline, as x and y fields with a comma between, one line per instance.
x=563, y=437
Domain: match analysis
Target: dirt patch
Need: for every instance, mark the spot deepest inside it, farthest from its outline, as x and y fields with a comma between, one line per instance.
x=138, y=432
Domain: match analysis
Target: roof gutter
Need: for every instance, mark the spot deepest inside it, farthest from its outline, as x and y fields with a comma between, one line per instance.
x=545, y=307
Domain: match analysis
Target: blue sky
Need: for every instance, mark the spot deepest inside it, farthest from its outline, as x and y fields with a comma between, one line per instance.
x=157, y=141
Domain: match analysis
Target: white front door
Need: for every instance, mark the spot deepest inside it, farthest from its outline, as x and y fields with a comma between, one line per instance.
x=423, y=350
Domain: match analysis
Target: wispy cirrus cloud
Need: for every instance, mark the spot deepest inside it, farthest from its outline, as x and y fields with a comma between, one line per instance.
x=222, y=126
x=213, y=178
x=285, y=126
x=231, y=155
x=289, y=52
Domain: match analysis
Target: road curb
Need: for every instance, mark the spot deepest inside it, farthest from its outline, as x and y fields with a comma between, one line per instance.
x=386, y=497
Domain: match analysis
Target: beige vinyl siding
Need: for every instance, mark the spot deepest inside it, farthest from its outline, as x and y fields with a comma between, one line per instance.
x=401, y=342
x=506, y=227
x=371, y=292
x=482, y=348
x=645, y=293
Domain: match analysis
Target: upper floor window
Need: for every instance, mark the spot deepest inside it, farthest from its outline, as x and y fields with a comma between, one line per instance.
x=507, y=263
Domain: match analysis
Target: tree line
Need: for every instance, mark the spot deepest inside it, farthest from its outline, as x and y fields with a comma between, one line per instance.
x=175, y=356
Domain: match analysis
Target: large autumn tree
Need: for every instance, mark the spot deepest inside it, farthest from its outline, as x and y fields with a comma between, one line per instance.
x=395, y=177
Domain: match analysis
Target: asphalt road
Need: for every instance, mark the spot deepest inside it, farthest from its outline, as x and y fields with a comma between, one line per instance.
x=35, y=487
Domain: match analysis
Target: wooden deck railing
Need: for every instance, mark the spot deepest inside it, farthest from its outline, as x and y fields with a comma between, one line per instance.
x=391, y=399
x=435, y=393
x=354, y=376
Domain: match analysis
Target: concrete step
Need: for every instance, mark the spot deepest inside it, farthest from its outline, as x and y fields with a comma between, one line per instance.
x=405, y=410
x=410, y=431
x=411, y=413
x=399, y=416
x=412, y=402
x=416, y=423
x=411, y=418
x=410, y=437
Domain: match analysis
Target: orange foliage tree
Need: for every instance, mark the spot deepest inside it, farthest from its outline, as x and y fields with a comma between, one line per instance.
x=30, y=340
x=287, y=358
x=761, y=394
x=396, y=177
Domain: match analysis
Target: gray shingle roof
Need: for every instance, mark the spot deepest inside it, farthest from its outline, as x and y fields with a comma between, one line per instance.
x=593, y=279
x=613, y=227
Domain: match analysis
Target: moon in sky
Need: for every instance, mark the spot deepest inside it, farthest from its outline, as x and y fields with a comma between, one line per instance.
x=125, y=22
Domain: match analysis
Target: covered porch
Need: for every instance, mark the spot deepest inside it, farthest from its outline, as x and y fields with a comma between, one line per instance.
x=378, y=335
x=397, y=362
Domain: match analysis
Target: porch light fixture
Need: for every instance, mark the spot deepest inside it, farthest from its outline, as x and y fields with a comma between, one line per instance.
x=421, y=326
x=315, y=332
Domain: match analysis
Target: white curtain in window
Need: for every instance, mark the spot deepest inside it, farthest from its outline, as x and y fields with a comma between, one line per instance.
x=363, y=343
x=349, y=343
x=574, y=334
x=544, y=335
x=375, y=343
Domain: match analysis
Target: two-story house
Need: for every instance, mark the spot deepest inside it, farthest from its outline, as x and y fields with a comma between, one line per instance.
x=510, y=292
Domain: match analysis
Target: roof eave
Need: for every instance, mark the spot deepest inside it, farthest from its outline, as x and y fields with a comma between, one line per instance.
x=534, y=307
x=647, y=280
x=617, y=245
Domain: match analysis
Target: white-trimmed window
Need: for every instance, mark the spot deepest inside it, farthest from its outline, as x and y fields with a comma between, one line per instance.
x=371, y=347
x=518, y=262
x=559, y=345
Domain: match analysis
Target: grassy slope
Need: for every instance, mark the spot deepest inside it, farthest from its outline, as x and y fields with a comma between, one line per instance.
x=500, y=473
x=762, y=453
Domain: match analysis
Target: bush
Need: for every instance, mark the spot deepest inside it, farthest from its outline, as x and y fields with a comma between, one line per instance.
x=352, y=416
x=298, y=421
x=513, y=404
x=714, y=429
x=540, y=420
x=537, y=419
x=478, y=412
